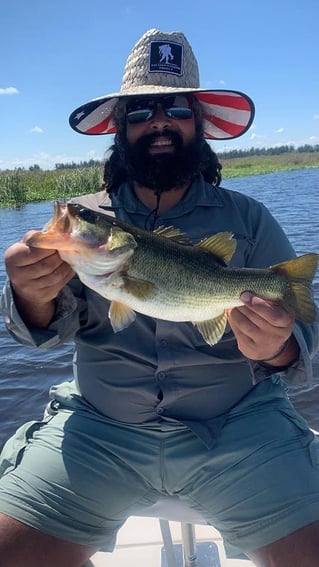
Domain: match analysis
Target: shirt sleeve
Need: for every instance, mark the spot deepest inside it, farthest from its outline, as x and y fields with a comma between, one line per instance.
x=271, y=246
x=63, y=326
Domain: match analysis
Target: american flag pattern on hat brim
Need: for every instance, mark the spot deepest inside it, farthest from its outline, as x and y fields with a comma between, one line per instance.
x=94, y=117
x=226, y=114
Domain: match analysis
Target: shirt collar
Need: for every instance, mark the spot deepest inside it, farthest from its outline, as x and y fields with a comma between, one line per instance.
x=200, y=194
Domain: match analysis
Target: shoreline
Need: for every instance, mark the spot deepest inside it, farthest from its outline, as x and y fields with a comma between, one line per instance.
x=21, y=186
x=240, y=167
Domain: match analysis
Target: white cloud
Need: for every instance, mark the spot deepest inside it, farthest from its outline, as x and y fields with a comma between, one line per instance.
x=36, y=130
x=280, y=130
x=208, y=84
x=255, y=136
x=316, y=117
x=8, y=91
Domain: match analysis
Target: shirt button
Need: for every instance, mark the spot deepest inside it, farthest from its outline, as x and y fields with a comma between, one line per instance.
x=163, y=343
x=162, y=375
x=160, y=411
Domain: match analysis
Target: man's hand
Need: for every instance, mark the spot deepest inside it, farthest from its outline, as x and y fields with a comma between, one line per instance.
x=264, y=331
x=36, y=277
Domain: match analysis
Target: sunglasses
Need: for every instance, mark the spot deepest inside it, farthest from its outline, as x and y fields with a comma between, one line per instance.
x=142, y=109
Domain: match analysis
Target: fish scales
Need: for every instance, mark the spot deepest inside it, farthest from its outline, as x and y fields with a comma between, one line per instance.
x=160, y=274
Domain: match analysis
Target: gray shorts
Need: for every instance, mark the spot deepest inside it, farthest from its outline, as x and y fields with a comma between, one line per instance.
x=78, y=475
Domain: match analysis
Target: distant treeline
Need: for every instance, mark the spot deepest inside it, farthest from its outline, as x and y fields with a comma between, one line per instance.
x=226, y=155
x=307, y=148
x=73, y=165
x=276, y=151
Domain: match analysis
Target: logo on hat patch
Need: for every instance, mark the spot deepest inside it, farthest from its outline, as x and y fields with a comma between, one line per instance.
x=166, y=57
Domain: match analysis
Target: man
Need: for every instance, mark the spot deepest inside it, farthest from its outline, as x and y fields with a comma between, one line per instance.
x=154, y=409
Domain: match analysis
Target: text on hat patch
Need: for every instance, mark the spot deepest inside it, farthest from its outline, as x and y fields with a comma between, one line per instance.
x=166, y=57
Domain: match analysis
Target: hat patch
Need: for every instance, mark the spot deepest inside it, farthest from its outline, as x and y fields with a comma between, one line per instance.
x=166, y=57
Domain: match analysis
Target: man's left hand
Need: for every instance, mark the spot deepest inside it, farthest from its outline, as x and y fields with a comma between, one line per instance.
x=262, y=328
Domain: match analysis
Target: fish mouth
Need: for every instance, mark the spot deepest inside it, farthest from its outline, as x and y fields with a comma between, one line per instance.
x=60, y=221
x=74, y=209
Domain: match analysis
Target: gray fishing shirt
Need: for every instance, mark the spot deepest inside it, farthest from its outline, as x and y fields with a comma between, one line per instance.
x=156, y=370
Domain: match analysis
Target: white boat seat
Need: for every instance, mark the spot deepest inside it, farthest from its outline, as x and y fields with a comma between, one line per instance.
x=174, y=509
x=189, y=553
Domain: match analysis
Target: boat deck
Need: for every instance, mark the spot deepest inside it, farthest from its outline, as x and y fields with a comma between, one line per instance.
x=140, y=543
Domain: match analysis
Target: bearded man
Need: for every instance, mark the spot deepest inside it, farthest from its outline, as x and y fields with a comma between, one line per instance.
x=154, y=409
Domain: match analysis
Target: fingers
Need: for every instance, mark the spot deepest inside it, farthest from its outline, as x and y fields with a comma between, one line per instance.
x=270, y=311
x=36, y=273
x=260, y=327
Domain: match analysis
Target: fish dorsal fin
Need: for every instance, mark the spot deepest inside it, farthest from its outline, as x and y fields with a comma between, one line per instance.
x=212, y=330
x=222, y=245
x=172, y=233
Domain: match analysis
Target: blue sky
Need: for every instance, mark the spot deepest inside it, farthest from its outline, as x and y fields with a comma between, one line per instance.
x=57, y=55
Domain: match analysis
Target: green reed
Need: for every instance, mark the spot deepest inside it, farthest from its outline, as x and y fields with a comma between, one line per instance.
x=13, y=190
x=20, y=186
x=78, y=182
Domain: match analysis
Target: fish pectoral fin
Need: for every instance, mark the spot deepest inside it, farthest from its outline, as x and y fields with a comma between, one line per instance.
x=139, y=288
x=222, y=245
x=212, y=330
x=120, y=316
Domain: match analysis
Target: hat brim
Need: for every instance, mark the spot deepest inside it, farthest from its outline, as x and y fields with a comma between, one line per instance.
x=226, y=114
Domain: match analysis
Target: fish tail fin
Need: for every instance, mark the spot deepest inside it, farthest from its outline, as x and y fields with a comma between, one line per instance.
x=298, y=297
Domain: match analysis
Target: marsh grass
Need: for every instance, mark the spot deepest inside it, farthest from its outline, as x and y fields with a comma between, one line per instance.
x=259, y=165
x=78, y=181
x=13, y=188
x=20, y=186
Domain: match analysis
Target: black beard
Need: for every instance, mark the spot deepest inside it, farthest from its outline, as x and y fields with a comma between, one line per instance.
x=166, y=171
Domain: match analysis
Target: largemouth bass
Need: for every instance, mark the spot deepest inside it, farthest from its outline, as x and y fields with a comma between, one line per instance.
x=162, y=275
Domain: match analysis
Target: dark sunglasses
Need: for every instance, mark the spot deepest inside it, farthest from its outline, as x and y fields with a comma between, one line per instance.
x=142, y=109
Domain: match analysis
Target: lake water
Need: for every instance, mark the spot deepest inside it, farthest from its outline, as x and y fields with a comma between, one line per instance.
x=27, y=374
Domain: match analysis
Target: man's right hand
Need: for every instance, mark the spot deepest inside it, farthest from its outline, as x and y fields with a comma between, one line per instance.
x=37, y=276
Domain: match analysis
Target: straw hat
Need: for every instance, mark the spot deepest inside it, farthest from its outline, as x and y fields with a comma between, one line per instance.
x=163, y=63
